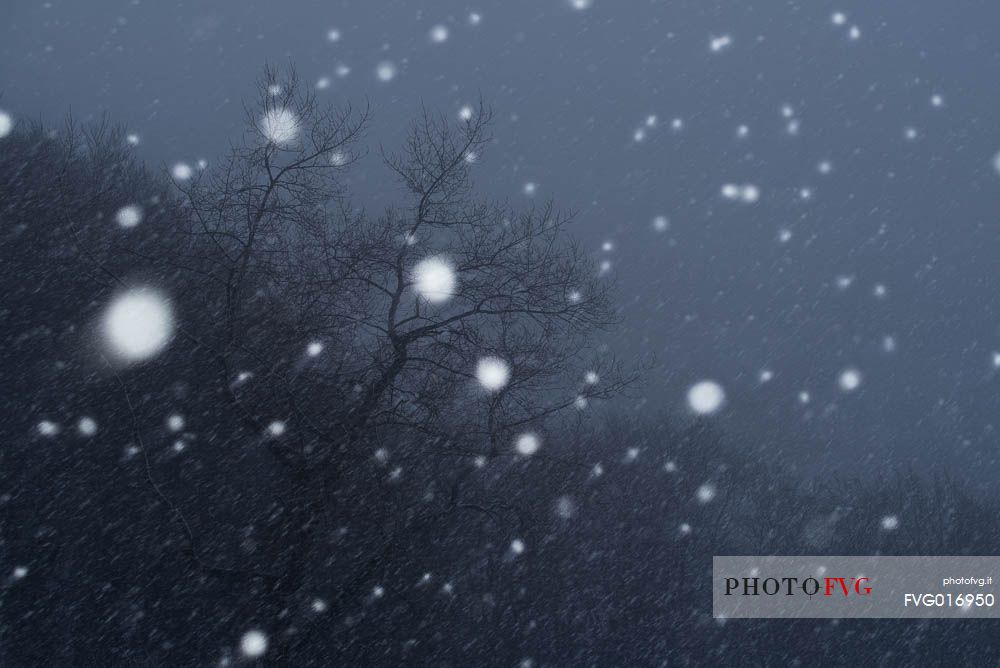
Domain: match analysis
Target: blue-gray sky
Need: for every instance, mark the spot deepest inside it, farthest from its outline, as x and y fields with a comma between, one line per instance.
x=904, y=114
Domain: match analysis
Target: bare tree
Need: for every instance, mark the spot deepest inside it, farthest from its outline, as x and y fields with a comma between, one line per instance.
x=288, y=253
x=288, y=260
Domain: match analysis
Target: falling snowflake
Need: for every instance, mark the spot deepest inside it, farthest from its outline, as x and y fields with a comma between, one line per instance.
x=175, y=422
x=565, y=507
x=492, y=373
x=717, y=44
x=280, y=126
x=6, y=124
x=438, y=34
x=47, y=428
x=253, y=644
x=706, y=397
x=705, y=493
x=849, y=380
x=138, y=324
x=129, y=216
x=86, y=426
x=844, y=282
x=527, y=444
x=182, y=171
x=434, y=279
x=386, y=71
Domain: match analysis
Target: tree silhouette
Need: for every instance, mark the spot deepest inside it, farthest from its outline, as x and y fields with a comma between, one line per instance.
x=401, y=308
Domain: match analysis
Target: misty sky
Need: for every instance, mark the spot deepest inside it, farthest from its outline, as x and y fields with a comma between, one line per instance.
x=886, y=264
